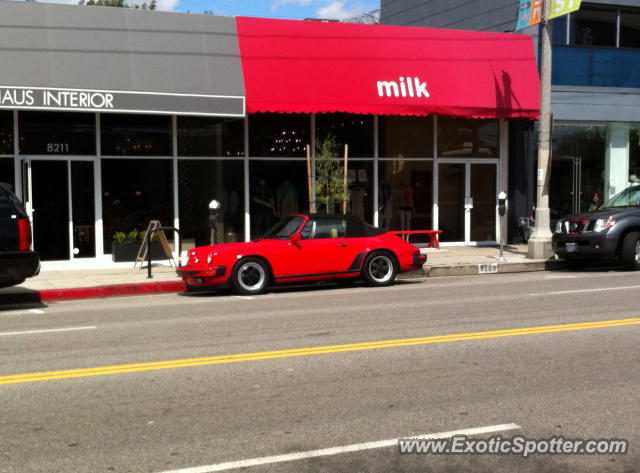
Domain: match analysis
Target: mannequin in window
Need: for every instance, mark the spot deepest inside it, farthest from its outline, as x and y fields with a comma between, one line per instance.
x=263, y=207
x=287, y=199
x=405, y=206
x=385, y=204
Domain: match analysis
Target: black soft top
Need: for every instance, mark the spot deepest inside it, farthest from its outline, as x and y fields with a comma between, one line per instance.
x=355, y=227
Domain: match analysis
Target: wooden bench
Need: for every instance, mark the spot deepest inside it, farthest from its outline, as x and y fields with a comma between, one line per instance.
x=432, y=234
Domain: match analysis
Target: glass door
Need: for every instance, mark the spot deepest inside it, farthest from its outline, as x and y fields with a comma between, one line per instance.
x=60, y=199
x=467, y=198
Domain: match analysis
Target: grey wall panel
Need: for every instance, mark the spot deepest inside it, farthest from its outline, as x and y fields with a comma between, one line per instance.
x=48, y=45
x=595, y=104
x=485, y=15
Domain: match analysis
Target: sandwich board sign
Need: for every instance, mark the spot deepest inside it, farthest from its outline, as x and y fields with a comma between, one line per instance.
x=530, y=11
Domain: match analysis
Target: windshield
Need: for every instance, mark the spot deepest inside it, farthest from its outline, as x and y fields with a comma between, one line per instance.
x=627, y=198
x=284, y=228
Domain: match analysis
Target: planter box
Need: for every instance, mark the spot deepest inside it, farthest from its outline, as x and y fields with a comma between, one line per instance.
x=124, y=252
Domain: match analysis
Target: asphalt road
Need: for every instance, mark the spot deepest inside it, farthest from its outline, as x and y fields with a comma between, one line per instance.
x=315, y=369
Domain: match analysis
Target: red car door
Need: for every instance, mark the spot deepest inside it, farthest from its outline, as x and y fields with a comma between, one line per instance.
x=325, y=248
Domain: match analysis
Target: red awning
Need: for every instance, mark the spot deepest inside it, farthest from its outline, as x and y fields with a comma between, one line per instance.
x=315, y=67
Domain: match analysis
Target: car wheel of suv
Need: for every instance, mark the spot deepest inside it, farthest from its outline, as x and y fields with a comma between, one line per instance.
x=631, y=251
x=380, y=269
x=250, y=276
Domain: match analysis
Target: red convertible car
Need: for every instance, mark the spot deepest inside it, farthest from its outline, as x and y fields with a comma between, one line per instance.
x=303, y=248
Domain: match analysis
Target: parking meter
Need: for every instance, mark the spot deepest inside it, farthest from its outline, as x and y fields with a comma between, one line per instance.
x=502, y=204
x=215, y=218
x=502, y=211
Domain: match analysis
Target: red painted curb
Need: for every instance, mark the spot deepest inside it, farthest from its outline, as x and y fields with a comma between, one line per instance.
x=111, y=290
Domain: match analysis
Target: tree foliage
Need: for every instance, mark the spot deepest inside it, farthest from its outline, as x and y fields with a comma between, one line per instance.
x=152, y=5
x=329, y=176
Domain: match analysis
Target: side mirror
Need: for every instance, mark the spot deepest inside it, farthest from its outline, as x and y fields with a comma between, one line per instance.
x=295, y=237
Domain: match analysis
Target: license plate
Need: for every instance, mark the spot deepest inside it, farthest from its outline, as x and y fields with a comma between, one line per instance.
x=571, y=247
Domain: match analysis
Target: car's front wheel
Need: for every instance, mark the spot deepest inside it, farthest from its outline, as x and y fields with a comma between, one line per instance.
x=380, y=269
x=250, y=276
x=631, y=251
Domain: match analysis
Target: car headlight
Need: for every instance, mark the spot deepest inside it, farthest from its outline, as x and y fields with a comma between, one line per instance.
x=603, y=223
x=559, y=226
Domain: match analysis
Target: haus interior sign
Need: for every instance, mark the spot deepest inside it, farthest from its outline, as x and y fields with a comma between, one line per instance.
x=41, y=98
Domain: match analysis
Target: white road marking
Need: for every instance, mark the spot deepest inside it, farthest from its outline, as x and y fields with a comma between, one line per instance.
x=36, y=311
x=250, y=298
x=338, y=450
x=51, y=330
x=599, y=289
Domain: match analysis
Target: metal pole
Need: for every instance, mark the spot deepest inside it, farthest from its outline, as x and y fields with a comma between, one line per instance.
x=540, y=241
x=149, y=276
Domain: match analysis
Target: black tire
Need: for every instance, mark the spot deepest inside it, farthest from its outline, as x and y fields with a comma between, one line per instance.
x=380, y=269
x=250, y=276
x=631, y=251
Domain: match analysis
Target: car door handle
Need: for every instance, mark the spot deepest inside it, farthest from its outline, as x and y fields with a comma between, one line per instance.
x=341, y=244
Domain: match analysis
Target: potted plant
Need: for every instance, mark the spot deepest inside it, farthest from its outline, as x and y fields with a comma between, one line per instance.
x=126, y=245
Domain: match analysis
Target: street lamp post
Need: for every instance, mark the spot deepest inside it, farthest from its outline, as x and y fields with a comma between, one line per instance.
x=540, y=241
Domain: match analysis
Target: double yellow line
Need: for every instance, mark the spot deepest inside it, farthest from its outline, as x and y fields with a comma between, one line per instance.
x=266, y=355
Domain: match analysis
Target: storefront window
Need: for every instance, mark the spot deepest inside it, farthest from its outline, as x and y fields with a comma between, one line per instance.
x=200, y=182
x=135, y=135
x=135, y=191
x=634, y=155
x=57, y=133
x=347, y=129
x=462, y=138
x=629, y=29
x=405, y=196
x=406, y=137
x=559, y=29
x=278, y=189
x=6, y=132
x=577, y=168
x=210, y=136
x=360, y=177
x=279, y=135
x=7, y=172
x=593, y=26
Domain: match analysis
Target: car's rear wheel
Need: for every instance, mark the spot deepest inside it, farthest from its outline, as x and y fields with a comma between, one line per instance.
x=631, y=251
x=380, y=269
x=250, y=276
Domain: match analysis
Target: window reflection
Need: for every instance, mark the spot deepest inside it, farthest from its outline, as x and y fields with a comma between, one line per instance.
x=210, y=136
x=629, y=29
x=405, y=196
x=200, y=182
x=7, y=172
x=135, y=135
x=408, y=137
x=463, y=138
x=6, y=132
x=279, y=135
x=352, y=129
x=593, y=26
x=277, y=189
x=135, y=191
x=62, y=133
x=360, y=178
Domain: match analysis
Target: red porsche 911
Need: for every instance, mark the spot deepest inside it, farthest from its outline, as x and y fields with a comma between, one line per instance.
x=303, y=248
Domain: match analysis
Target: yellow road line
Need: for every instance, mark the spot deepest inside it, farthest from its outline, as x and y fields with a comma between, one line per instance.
x=320, y=350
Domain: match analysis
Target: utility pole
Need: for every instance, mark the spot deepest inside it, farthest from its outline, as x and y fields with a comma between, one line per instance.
x=540, y=241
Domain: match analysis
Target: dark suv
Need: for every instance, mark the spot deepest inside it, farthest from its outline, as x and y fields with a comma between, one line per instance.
x=612, y=231
x=17, y=261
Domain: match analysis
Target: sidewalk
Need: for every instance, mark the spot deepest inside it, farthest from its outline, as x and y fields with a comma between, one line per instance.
x=51, y=285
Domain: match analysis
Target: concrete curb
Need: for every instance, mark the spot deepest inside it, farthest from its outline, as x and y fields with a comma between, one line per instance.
x=488, y=268
x=112, y=290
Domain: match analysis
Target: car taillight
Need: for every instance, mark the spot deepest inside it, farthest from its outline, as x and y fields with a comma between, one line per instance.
x=24, y=234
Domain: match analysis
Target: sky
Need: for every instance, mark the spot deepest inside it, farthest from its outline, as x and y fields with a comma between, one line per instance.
x=289, y=9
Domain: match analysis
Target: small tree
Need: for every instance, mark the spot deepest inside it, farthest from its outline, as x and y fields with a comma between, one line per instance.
x=329, y=175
